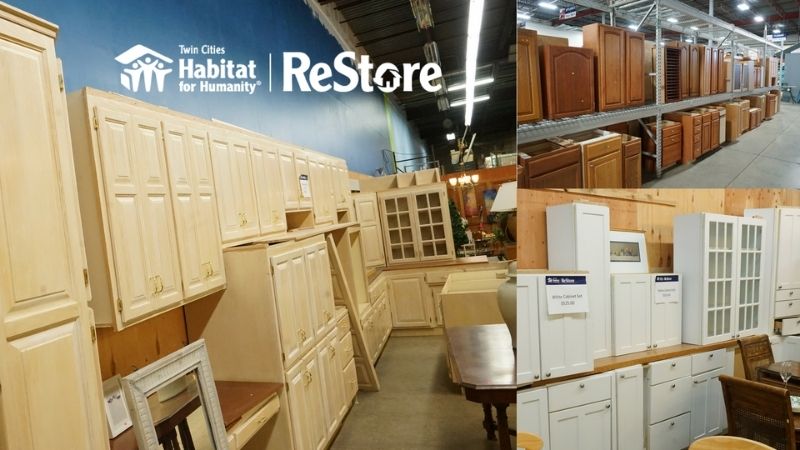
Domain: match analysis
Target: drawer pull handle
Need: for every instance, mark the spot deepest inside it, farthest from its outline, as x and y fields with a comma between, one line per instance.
x=622, y=376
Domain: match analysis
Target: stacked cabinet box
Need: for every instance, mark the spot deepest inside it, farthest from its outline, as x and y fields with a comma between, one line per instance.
x=671, y=142
x=568, y=81
x=692, y=134
x=51, y=392
x=601, y=158
x=646, y=311
x=619, y=65
x=529, y=90
x=721, y=261
x=546, y=164
x=578, y=238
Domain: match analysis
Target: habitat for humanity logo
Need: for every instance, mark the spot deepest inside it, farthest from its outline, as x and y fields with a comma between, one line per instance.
x=142, y=65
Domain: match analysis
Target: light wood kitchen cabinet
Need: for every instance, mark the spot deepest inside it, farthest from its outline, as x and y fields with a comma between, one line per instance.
x=50, y=377
x=341, y=184
x=233, y=178
x=603, y=163
x=532, y=414
x=696, y=57
x=568, y=80
x=629, y=407
x=410, y=301
x=266, y=163
x=321, y=286
x=194, y=203
x=704, y=55
x=529, y=89
x=608, y=43
x=126, y=209
x=631, y=162
x=296, y=179
x=307, y=404
x=578, y=239
x=368, y=217
x=295, y=317
x=322, y=189
x=331, y=383
x=634, y=68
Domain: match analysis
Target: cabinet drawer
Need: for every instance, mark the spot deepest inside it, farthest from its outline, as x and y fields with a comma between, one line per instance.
x=670, y=434
x=703, y=362
x=554, y=160
x=787, y=309
x=670, y=131
x=343, y=327
x=344, y=350
x=580, y=392
x=676, y=139
x=669, y=399
x=602, y=148
x=787, y=294
x=789, y=327
x=670, y=369
x=245, y=430
x=438, y=277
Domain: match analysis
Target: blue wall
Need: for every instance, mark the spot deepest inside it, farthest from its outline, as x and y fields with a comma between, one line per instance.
x=352, y=125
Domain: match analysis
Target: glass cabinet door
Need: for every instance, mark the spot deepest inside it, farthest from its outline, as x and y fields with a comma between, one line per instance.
x=399, y=229
x=720, y=278
x=432, y=227
x=748, y=298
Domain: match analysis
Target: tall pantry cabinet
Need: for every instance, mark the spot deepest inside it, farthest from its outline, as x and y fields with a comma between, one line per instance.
x=578, y=238
x=49, y=375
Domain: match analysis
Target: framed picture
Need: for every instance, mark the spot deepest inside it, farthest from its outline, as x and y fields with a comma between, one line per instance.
x=117, y=413
x=628, y=252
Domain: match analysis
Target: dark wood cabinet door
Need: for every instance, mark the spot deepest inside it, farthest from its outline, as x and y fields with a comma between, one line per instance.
x=694, y=70
x=634, y=68
x=714, y=71
x=529, y=97
x=568, y=81
x=608, y=44
x=706, y=136
x=605, y=171
x=565, y=177
x=704, y=54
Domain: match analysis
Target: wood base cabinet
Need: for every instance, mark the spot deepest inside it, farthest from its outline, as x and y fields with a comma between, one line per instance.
x=50, y=377
x=568, y=81
x=631, y=162
x=602, y=158
x=529, y=89
x=692, y=134
x=671, y=145
x=549, y=165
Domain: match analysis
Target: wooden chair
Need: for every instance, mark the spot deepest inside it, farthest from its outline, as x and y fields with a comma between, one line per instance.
x=756, y=352
x=529, y=441
x=759, y=412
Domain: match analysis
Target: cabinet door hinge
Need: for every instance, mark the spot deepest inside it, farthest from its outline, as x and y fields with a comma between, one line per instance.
x=86, y=277
x=94, y=333
x=61, y=82
x=119, y=305
x=95, y=122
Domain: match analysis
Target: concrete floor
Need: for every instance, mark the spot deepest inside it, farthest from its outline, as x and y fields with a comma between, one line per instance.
x=768, y=156
x=417, y=407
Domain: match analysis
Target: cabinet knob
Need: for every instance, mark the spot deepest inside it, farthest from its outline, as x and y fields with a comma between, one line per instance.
x=673, y=365
x=536, y=377
x=622, y=375
x=790, y=304
x=672, y=424
x=608, y=405
x=672, y=387
x=711, y=355
x=649, y=346
x=547, y=374
x=582, y=385
x=655, y=345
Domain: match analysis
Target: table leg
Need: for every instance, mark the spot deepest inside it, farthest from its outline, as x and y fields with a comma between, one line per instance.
x=488, y=422
x=502, y=426
x=186, y=435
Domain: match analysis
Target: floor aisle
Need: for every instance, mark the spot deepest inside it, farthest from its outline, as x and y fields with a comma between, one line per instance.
x=768, y=156
x=418, y=407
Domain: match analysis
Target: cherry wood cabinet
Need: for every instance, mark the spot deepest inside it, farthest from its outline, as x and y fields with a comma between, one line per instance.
x=608, y=44
x=568, y=80
x=529, y=90
x=602, y=158
x=704, y=63
x=634, y=68
x=631, y=162
x=695, y=60
x=549, y=165
x=691, y=134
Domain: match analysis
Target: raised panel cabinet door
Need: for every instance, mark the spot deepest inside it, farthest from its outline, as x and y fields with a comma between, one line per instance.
x=49, y=372
x=585, y=427
x=631, y=308
x=788, y=264
x=269, y=193
x=287, y=294
x=714, y=133
x=634, y=68
x=321, y=287
x=321, y=189
x=303, y=172
x=630, y=407
x=245, y=186
x=409, y=299
x=368, y=216
x=685, y=70
x=568, y=81
x=609, y=46
x=605, y=171
x=290, y=180
x=529, y=90
x=705, y=69
x=532, y=414
x=714, y=70
x=708, y=407
x=633, y=170
x=527, y=332
x=695, y=60
x=331, y=385
x=238, y=216
x=194, y=206
x=297, y=388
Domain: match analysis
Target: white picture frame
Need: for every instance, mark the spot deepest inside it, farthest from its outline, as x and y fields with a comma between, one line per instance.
x=144, y=382
x=118, y=416
x=628, y=252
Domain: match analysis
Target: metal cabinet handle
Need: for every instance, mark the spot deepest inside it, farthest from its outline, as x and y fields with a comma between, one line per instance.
x=536, y=377
x=608, y=405
x=672, y=387
x=582, y=385
x=547, y=374
x=672, y=424
x=655, y=345
x=673, y=364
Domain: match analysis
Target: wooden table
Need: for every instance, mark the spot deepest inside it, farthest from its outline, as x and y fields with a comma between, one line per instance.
x=772, y=375
x=236, y=399
x=486, y=371
x=727, y=443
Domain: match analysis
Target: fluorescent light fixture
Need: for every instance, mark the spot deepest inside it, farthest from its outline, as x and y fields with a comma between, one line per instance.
x=451, y=136
x=523, y=16
x=779, y=25
x=694, y=28
x=743, y=6
x=689, y=40
x=462, y=102
x=547, y=5
x=672, y=20
x=776, y=31
x=473, y=41
x=758, y=19
x=632, y=26
x=460, y=86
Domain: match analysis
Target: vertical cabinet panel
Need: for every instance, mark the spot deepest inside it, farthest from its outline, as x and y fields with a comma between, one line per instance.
x=630, y=295
x=410, y=301
x=368, y=217
x=750, y=306
x=634, y=68
x=291, y=283
x=303, y=173
x=331, y=383
x=290, y=179
x=268, y=186
x=695, y=60
x=529, y=90
x=233, y=178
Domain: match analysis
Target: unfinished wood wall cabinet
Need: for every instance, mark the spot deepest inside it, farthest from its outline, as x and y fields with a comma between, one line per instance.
x=549, y=165
x=608, y=43
x=266, y=163
x=368, y=216
x=50, y=377
x=322, y=189
x=529, y=90
x=410, y=300
x=568, y=80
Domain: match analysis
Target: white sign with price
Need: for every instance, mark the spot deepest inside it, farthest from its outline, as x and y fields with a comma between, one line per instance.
x=566, y=294
x=667, y=289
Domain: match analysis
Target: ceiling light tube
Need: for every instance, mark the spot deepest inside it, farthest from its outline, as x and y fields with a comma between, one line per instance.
x=694, y=28
x=548, y=5
x=462, y=102
x=672, y=20
x=523, y=16
x=758, y=19
x=460, y=86
x=473, y=41
x=743, y=6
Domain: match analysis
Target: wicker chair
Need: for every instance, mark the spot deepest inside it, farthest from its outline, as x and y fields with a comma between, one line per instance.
x=759, y=412
x=756, y=352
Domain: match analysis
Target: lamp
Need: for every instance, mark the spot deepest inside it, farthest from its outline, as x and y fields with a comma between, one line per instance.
x=506, y=199
x=453, y=181
x=475, y=178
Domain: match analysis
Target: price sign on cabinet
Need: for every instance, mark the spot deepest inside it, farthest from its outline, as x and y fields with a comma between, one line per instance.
x=566, y=294
x=667, y=289
x=305, y=189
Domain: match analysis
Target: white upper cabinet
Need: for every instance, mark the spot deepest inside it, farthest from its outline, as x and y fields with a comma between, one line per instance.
x=194, y=203
x=751, y=307
x=630, y=295
x=578, y=238
x=233, y=178
x=368, y=217
x=666, y=310
x=788, y=265
x=265, y=157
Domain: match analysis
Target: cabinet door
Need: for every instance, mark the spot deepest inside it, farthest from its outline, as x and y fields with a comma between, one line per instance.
x=410, y=300
x=435, y=235
x=195, y=208
x=367, y=215
x=585, y=427
x=529, y=97
x=788, y=264
x=611, y=73
x=320, y=287
x=714, y=70
x=715, y=133
x=332, y=385
x=398, y=228
x=568, y=349
x=568, y=80
x=750, y=306
x=295, y=321
x=233, y=179
x=631, y=308
x=527, y=333
x=322, y=190
x=290, y=178
x=695, y=59
x=708, y=406
x=720, y=268
x=630, y=407
x=532, y=414
x=269, y=193
x=684, y=70
x=303, y=172
x=49, y=371
x=342, y=185
x=605, y=171
x=307, y=404
x=634, y=66
x=633, y=171
x=665, y=324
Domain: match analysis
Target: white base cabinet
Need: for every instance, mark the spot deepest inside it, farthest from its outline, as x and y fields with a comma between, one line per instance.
x=668, y=403
x=581, y=414
x=532, y=414
x=629, y=408
x=647, y=311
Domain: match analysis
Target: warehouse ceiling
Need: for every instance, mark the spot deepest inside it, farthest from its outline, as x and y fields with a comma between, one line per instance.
x=783, y=13
x=387, y=30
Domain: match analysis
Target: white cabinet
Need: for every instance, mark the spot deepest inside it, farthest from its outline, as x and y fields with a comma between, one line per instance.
x=532, y=414
x=585, y=422
x=265, y=158
x=708, y=406
x=668, y=403
x=647, y=311
x=578, y=238
x=368, y=217
x=51, y=392
x=629, y=408
x=410, y=301
x=666, y=310
x=548, y=345
x=720, y=259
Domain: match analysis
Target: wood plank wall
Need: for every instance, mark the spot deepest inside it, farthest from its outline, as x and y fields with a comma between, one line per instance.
x=648, y=210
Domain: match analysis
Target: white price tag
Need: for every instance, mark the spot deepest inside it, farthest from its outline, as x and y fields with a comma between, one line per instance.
x=566, y=294
x=305, y=187
x=667, y=289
